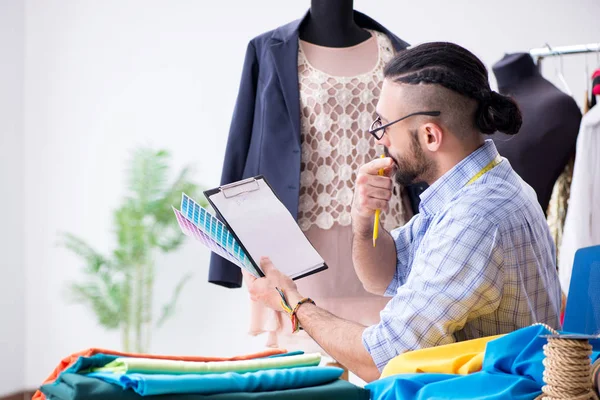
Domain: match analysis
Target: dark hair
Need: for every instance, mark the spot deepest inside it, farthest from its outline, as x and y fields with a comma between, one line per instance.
x=459, y=70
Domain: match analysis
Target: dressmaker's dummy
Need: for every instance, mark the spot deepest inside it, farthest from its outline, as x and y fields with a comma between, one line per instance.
x=330, y=23
x=551, y=118
x=327, y=73
x=340, y=74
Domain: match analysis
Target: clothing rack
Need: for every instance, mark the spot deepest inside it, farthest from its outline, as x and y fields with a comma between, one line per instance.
x=539, y=53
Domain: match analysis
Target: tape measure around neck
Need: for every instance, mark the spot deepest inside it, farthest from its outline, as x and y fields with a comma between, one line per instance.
x=485, y=169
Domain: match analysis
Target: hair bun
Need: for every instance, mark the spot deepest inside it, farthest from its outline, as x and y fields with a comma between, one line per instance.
x=498, y=113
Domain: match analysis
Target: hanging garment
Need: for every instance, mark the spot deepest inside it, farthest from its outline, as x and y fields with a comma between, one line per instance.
x=71, y=360
x=595, y=86
x=265, y=133
x=338, y=103
x=559, y=204
x=582, y=224
x=512, y=369
x=546, y=141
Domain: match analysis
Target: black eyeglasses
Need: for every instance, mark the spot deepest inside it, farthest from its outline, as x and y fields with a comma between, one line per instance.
x=377, y=129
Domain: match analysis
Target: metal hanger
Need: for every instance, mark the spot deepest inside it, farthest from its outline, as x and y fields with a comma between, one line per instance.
x=559, y=72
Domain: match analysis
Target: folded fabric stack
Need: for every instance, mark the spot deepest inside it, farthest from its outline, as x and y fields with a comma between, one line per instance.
x=500, y=367
x=275, y=374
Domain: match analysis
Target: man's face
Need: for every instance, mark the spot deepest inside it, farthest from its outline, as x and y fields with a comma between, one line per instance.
x=401, y=140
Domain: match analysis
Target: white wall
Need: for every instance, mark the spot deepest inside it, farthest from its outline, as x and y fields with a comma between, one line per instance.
x=103, y=77
x=12, y=270
x=492, y=28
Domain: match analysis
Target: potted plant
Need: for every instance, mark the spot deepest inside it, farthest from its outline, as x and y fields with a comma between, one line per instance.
x=118, y=287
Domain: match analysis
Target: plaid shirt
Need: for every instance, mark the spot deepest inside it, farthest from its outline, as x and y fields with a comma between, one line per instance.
x=478, y=260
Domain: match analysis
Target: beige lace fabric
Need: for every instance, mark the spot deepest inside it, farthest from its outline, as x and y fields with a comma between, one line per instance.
x=336, y=113
x=559, y=203
x=338, y=94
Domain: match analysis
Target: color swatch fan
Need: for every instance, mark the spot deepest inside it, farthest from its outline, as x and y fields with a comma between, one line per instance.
x=196, y=222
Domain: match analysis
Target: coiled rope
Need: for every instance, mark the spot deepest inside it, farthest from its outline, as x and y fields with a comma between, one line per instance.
x=567, y=369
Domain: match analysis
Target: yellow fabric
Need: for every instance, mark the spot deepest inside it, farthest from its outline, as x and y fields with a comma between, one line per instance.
x=455, y=358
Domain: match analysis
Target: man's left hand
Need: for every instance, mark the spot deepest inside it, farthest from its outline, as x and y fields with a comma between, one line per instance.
x=264, y=289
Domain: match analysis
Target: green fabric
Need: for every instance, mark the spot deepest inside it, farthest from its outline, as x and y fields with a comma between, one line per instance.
x=79, y=387
x=123, y=365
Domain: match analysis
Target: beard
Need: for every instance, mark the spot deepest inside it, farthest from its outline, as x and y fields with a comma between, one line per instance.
x=415, y=167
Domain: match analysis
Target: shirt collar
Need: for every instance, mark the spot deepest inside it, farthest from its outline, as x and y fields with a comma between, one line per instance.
x=445, y=188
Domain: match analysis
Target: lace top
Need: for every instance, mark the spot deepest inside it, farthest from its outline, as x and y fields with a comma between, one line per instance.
x=336, y=113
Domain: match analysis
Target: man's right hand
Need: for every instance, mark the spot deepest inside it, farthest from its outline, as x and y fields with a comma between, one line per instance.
x=371, y=192
x=375, y=267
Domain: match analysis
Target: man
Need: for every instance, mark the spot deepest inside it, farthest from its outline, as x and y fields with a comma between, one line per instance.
x=478, y=259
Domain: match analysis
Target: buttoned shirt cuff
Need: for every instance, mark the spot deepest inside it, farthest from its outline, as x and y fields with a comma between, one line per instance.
x=393, y=286
x=378, y=346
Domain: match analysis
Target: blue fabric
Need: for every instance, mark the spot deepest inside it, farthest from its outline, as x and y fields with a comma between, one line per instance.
x=445, y=386
x=521, y=353
x=582, y=314
x=478, y=260
x=512, y=369
x=264, y=135
x=230, y=382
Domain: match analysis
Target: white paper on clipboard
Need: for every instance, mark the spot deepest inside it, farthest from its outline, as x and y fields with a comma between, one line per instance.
x=265, y=227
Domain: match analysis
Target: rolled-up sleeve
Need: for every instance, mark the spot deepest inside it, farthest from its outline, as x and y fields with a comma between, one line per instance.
x=403, y=239
x=457, y=274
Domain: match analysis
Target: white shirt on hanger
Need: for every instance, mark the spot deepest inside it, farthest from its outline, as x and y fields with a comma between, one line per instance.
x=582, y=223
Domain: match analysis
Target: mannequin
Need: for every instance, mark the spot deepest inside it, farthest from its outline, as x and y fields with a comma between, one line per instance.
x=330, y=23
x=551, y=118
x=306, y=100
x=338, y=89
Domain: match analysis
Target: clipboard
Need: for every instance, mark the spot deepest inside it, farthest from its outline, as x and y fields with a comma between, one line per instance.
x=263, y=226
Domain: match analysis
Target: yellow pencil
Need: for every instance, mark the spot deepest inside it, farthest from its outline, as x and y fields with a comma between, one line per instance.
x=377, y=213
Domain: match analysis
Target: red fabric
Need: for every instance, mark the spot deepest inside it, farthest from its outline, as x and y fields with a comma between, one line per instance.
x=563, y=306
x=596, y=87
x=69, y=360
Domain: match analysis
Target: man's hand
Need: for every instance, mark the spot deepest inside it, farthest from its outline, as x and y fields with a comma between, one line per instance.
x=339, y=338
x=375, y=267
x=371, y=192
x=264, y=289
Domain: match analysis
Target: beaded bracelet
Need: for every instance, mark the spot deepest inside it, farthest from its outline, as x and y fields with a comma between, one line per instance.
x=292, y=312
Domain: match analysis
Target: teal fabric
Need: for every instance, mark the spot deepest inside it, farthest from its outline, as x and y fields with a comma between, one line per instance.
x=512, y=369
x=229, y=382
x=86, y=363
x=291, y=353
x=70, y=386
